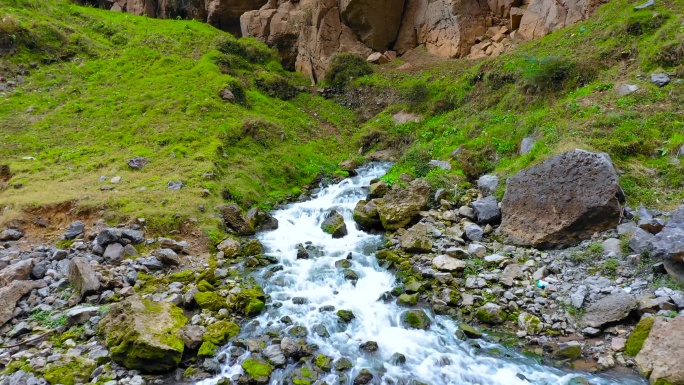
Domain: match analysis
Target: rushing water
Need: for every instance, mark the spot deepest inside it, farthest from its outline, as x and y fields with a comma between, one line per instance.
x=434, y=356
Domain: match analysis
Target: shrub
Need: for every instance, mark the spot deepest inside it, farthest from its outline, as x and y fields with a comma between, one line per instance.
x=345, y=68
x=475, y=162
x=554, y=74
x=250, y=49
x=417, y=94
x=263, y=131
x=670, y=55
x=275, y=86
x=645, y=23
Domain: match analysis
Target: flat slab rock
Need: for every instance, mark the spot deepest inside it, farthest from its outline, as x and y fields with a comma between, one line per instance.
x=611, y=308
x=561, y=201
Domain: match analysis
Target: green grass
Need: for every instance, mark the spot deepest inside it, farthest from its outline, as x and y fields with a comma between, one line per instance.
x=559, y=89
x=111, y=86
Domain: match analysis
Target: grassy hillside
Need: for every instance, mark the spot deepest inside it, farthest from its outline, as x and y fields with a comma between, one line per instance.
x=103, y=87
x=560, y=90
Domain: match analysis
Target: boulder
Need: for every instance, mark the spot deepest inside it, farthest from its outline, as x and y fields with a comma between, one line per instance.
x=144, y=335
x=230, y=248
x=10, y=295
x=660, y=80
x=74, y=230
x=349, y=166
x=474, y=232
x=108, y=236
x=611, y=308
x=659, y=357
x=235, y=220
x=261, y=220
x=415, y=319
x=447, y=263
x=487, y=210
x=487, y=184
x=375, y=22
x=640, y=240
x=378, y=189
x=11, y=235
x=366, y=215
x=400, y=206
x=334, y=225
x=491, y=313
x=416, y=239
x=83, y=276
x=19, y=271
x=80, y=315
x=561, y=201
x=668, y=244
x=510, y=274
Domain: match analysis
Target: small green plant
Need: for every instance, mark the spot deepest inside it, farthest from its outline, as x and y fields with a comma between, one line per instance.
x=48, y=319
x=610, y=266
x=345, y=68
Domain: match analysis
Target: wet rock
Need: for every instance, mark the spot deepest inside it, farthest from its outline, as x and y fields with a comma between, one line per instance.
x=661, y=350
x=378, y=190
x=343, y=364
x=415, y=319
x=74, y=230
x=490, y=313
x=321, y=331
x=407, y=300
x=274, y=354
x=19, y=271
x=261, y=220
x=470, y=331
x=302, y=253
x=611, y=308
x=449, y=264
x=11, y=235
x=587, y=185
x=369, y=346
x=350, y=275
x=257, y=371
x=416, y=239
x=487, y=184
x=401, y=206
x=487, y=210
x=144, y=335
x=397, y=359
x=364, y=377
x=350, y=166
x=334, y=225
x=343, y=263
x=568, y=350
x=660, y=80
x=289, y=347
x=83, y=276
x=366, y=215
x=235, y=220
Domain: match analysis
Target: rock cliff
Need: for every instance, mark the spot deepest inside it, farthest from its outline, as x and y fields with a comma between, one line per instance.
x=308, y=33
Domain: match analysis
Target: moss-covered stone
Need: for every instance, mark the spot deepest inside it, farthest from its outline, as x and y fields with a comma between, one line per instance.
x=207, y=349
x=470, y=331
x=257, y=370
x=636, y=340
x=249, y=302
x=416, y=319
x=69, y=371
x=144, y=335
x=220, y=332
x=205, y=286
x=530, y=323
x=346, y=315
x=407, y=300
x=343, y=263
x=185, y=276
x=366, y=215
x=324, y=362
x=334, y=225
x=252, y=247
x=343, y=364
x=351, y=275
x=387, y=255
x=209, y=300
x=491, y=313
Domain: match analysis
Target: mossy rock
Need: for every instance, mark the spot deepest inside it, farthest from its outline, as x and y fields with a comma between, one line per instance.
x=144, y=335
x=470, y=331
x=415, y=319
x=343, y=364
x=491, y=314
x=207, y=349
x=252, y=247
x=387, y=255
x=209, y=300
x=636, y=340
x=351, y=275
x=407, y=300
x=346, y=315
x=185, y=276
x=205, y=286
x=343, y=264
x=249, y=302
x=366, y=215
x=69, y=371
x=334, y=225
x=257, y=370
x=323, y=362
x=220, y=332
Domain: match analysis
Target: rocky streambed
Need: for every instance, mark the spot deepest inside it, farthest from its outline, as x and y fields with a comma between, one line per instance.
x=363, y=283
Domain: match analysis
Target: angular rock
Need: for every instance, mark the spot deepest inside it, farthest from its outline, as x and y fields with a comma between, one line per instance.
x=527, y=143
x=415, y=319
x=11, y=235
x=366, y=215
x=261, y=220
x=108, y=236
x=10, y=295
x=611, y=308
x=668, y=244
x=561, y=201
x=274, y=354
x=19, y=271
x=334, y=225
x=81, y=315
x=474, y=232
x=192, y=336
x=660, y=80
x=83, y=276
x=167, y=257
x=230, y=248
x=138, y=163
x=114, y=253
x=235, y=220
x=401, y=206
x=487, y=210
x=74, y=230
x=449, y=264
x=658, y=358
x=490, y=313
x=510, y=274
x=487, y=184
x=144, y=335
x=640, y=240
x=416, y=239
x=626, y=89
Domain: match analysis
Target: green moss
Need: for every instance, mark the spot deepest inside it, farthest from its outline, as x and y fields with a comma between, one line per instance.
x=254, y=307
x=220, y=332
x=636, y=340
x=70, y=371
x=346, y=315
x=209, y=301
x=249, y=302
x=257, y=369
x=205, y=286
x=207, y=349
x=253, y=247
x=185, y=276
x=407, y=300
x=324, y=362
x=416, y=319
x=189, y=372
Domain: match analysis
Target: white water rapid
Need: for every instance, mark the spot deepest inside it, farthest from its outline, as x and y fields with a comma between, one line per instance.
x=434, y=356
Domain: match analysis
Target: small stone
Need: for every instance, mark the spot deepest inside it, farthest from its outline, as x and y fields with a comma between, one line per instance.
x=474, y=232
x=626, y=89
x=660, y=80
x=174, y=185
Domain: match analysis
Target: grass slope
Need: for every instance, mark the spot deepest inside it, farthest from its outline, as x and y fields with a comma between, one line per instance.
x=562, y=91
x=110, y=86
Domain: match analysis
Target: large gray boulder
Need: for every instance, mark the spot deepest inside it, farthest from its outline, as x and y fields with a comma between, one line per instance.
x=11, y=294
x=660, y=357
x=417, y=239
x=400, y=206
x=561, y=201
x=612, y=308
x=487, y=210
x=19, y=271
x=83, y=276
x=366, y=215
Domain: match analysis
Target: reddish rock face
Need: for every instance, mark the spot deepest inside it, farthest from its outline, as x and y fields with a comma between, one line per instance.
x=561, y=201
